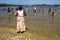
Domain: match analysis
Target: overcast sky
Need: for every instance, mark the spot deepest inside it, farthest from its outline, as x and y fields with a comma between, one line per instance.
x=30, y=2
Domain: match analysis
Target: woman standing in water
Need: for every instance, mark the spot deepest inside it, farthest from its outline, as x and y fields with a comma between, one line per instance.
x=20, y=13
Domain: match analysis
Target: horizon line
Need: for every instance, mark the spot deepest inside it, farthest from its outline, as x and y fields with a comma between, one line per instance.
x=30, y=4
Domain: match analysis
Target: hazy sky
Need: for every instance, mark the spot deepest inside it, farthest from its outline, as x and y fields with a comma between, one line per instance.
x=29, y=2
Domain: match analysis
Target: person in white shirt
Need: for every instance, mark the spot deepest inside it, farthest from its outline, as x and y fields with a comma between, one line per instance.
x=20, y=20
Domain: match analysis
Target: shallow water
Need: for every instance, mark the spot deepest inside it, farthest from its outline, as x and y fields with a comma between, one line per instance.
x=38, y=17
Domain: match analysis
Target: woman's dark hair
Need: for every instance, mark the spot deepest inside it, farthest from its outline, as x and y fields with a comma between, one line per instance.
x=20, y=7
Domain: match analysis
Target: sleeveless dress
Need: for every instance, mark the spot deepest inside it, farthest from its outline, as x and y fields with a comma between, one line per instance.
x=20, y=21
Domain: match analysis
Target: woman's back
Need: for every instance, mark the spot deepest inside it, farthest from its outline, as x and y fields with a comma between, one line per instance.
x=20, y=13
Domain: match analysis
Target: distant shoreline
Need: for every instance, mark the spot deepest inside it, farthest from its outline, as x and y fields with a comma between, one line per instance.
x=27, y=5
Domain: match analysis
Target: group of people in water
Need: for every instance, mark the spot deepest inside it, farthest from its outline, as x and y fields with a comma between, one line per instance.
x=35, y=10
x=20, y=13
